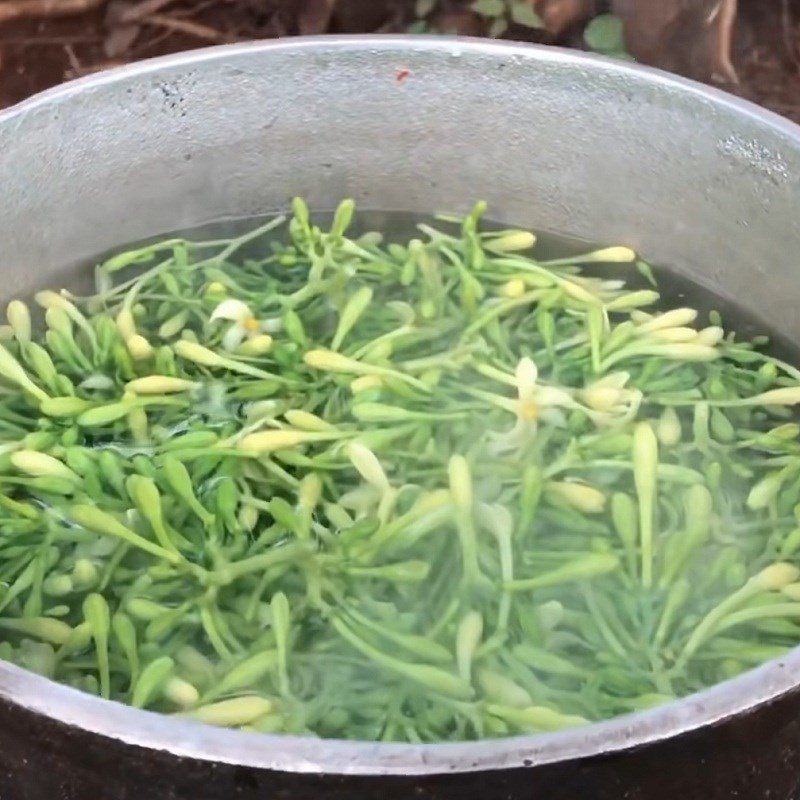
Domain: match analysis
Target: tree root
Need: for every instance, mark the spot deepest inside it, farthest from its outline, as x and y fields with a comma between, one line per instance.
x=44, y=9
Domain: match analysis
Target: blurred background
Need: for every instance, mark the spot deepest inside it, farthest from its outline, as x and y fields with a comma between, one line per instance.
x=750, y=47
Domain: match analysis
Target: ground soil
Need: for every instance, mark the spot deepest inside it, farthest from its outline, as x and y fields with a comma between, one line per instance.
x=37, y=54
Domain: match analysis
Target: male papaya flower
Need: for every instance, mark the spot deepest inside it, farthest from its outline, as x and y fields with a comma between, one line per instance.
x=609, y=401
x=673, y=327
x=535, y=402
x=246, y=327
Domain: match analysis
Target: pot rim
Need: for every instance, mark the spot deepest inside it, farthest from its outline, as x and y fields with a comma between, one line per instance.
x=309, y=755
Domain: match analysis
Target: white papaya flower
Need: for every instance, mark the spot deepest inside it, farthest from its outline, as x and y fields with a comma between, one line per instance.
x=676, y=318
x=608, y=400
x=534, y=402
x=245, y=324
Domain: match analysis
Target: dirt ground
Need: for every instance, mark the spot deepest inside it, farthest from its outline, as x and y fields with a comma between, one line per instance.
x=37, y=54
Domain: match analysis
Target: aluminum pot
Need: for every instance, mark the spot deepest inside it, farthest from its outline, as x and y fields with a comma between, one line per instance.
x=558, y=140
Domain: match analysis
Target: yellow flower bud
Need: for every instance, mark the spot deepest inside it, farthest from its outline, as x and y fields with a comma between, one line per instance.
x=192, y=351
x=51, y=299
x=19, y=317
x=460, y=481
x=247, y=517
x=511, y=241
x=602, y=398
x=365, y=382
x=58, y=320
x=580, y=496
x=468, y=637
x=689, y=351
x=787, y=396
x=234, y=712
x=368, y=466
x=37, y=464
x=306, y=421
x=138, y=347
x=430, y=501
x=577, y=292
x=329, y=361
x=137, y=422
x=710, y=336
x=678, y=317
x=625, y=302
x=257, y=346
x=776, y=576
x=269, y=441
x=675, y=335
x=181, y=692
x=610, y=255
x=125, y=324
x=159, y=384
x=514, y=288
x=310, y=491
x=668, y=429
x=215, y=287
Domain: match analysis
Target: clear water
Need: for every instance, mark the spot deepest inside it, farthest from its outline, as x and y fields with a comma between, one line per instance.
x=642, y=612
x=676, y=287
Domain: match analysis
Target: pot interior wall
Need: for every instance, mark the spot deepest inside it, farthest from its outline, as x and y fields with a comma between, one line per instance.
x=551, y=141
x=586, y=147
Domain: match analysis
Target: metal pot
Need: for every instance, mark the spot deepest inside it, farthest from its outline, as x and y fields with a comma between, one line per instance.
x=558, y=140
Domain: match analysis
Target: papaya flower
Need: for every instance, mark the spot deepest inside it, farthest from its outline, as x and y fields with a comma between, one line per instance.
x=608, y=400
x=535, y=401
x=246, y=330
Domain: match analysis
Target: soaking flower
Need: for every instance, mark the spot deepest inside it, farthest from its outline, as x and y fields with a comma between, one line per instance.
x=673, y=327
x=608, y=400
x=534, y=402
x=395, y=497
x=246, y=326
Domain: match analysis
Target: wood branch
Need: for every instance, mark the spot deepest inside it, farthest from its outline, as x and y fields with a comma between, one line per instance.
x=720, y=42
x=314, y=16
x=196, y=29
x=463, y=23
x=559, y=15
x=120, y=39
x=44, y=9
x=91, y=69
x=693, y=37
x=140, y=11
x=77, y=70
x=788, y=31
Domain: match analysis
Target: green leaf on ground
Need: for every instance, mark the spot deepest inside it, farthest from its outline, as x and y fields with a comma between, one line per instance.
x=489, y=8
x=522, y=13
x=498, y=28
x=604, y=34
x=424, y=7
